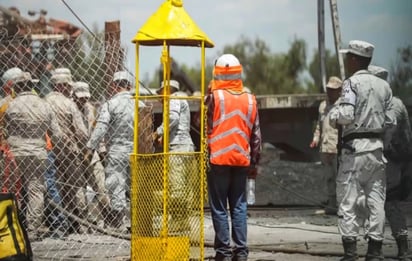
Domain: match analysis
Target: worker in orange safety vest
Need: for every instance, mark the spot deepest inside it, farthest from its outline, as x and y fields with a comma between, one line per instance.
x=234, y=142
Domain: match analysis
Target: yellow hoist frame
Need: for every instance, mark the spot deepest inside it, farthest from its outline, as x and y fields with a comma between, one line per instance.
x=167, y=223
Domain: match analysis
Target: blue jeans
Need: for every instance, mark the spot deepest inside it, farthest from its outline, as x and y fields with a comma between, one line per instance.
x=55, y=218
x=227, y=184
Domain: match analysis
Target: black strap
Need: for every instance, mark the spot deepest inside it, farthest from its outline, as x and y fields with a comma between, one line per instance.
x=9, y=210
x=361, y=135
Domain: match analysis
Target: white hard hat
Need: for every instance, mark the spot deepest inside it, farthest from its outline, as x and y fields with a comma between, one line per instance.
x=227, y=60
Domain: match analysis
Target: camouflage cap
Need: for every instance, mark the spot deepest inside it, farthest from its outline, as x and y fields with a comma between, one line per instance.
x=123, y=75
x=22, y=77
x=334, y=83
x=61, y=76
x=62, y=70
x=173, y=84
x=81, y=90
x=61, y=79
x=378, y=71
x=360, y=48
x=11, y=74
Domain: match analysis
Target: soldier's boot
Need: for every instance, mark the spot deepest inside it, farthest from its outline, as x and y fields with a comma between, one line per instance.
x=404, y=254
x=350, y=249
x=374, y=250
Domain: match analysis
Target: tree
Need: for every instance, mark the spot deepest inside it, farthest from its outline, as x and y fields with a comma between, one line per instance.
x=332, y=69
x=269, y=73
x=401, y=74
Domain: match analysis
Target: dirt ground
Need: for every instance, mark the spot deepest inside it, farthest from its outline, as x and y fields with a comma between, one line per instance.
x=287, y=233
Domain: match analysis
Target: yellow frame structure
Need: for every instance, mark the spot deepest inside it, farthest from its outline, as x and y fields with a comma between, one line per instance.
x=169, y=26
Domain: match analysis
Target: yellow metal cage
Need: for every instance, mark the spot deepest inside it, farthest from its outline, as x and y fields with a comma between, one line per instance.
x=155, y=236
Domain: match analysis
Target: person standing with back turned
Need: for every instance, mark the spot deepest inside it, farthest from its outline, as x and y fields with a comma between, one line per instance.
x=234, y=142
x=364, y=114
x=398, y=152
x=326, y=137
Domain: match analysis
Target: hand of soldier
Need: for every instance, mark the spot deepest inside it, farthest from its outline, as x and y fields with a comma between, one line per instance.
x=88, y=156
x=252, y=172
x=313, y=144
x=155, y=136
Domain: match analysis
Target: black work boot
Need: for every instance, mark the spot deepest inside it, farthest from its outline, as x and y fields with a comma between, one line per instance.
x=349, y=246
x=374, y=250
x=403, y=248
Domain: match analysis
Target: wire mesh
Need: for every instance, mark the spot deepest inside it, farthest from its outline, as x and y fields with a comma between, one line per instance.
x=68, y=190
x=66, y=197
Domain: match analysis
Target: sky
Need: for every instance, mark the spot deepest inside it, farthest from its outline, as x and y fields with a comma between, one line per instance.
x=385, y=23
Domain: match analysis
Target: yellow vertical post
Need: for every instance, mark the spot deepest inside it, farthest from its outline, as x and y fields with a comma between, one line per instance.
x=165, y=98
x=133, y=160
x=202, y=146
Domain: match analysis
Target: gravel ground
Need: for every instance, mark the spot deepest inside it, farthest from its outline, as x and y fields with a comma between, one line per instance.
x=285, y=234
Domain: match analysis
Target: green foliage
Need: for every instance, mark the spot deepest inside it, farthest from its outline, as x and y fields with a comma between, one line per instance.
x=332, y=69
x=269, y=73
x=264, y=72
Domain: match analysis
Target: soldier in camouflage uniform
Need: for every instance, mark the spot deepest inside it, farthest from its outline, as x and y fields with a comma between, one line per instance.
x=398, y=151
x=326, y=137
x=115, y=124
x=180, y=165
x=364, y=114
x=68, y=155
x=95, y=170
x=27, y=120
x=7, y=88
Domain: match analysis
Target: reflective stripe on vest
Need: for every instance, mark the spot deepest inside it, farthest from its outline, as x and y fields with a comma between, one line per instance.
x=227, y=78
x=231, y=130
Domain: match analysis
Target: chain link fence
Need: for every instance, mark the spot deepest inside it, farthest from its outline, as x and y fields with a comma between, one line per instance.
x=63, y=189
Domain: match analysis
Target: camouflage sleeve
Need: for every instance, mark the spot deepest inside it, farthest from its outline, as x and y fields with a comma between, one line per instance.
x=255, y=142
x=101, y=128
x=316, y=133
x=346, y=108
x=390, y=110
x=80, y=128
x=210, y=105
x=174, y=116
x=54, y=130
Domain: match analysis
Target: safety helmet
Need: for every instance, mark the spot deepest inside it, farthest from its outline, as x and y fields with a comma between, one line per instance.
x=227, y=60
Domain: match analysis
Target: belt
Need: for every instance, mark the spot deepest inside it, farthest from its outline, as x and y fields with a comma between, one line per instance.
x=362, y=135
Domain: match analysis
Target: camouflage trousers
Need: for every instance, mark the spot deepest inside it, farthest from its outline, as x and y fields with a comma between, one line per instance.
x=117, y=179
x=30, y=174
x=393, y=211
x=361, y=174
x=71, y=182
x=330, y=170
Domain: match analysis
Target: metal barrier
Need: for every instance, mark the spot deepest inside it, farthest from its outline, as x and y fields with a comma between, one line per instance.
x=73, y=189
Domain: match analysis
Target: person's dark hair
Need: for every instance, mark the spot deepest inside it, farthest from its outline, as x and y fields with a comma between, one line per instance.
x=122, y=84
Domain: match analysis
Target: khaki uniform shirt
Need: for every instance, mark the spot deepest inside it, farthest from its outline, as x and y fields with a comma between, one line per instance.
x=325, y=134
x=26, y=120
x=70, y=120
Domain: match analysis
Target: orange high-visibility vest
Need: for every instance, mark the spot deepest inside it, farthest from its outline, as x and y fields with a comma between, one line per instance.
x=233, y=118
x=227, y=78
